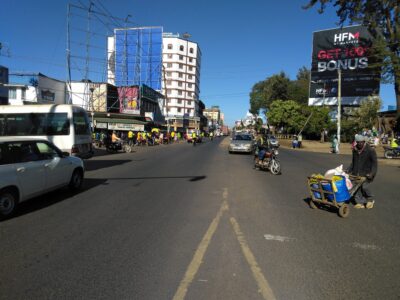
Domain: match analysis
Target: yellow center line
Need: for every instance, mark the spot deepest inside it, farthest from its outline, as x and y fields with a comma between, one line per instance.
x=263, y=284
x=201, y=250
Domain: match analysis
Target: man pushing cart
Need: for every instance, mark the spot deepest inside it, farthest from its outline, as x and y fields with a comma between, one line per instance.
x=334, y=191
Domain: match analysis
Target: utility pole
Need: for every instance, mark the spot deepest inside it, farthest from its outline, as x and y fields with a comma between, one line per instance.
x=339, y=107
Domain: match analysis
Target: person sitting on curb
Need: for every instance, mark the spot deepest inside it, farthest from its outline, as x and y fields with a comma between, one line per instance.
x=364, y=163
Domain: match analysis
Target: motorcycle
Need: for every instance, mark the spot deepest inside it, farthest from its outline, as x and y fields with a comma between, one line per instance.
x=269, y=161
x=391, y=152
x=114, y=147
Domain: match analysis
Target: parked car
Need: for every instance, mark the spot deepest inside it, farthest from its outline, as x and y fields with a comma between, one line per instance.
x=273, y=140
x=31, y=167
x=241, y=143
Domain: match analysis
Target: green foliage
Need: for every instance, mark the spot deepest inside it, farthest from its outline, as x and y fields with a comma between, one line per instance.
x=383, y=20
x=265, y=92
x=367, y=114
x=292, y=116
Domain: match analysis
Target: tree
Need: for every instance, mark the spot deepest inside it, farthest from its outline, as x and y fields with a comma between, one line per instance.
x=299, y=89
x=367, y=114
x=383, y=20
x=286, y=114
x=265, y=92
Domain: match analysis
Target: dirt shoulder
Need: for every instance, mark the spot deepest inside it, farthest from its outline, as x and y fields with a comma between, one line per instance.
x=316, y=146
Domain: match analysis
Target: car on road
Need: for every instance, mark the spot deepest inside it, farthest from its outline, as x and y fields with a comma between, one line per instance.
x=273, y=141
x=241, y=143
x=32, y=167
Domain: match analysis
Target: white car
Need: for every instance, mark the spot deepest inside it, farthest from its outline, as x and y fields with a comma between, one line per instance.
x=31, y=167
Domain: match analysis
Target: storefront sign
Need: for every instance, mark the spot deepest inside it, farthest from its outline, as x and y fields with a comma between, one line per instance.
x=125, y=127
x=101, y=125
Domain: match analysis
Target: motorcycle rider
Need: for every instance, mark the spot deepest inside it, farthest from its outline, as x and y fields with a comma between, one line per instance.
x=115, y=138
x=263, y=146
x=194, y=138
x=394, y=144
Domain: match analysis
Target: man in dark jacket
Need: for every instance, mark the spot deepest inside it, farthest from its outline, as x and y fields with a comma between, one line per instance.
x=364, y=163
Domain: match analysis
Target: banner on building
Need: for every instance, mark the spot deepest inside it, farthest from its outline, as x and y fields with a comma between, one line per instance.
x=350, y=50
x=129, y=102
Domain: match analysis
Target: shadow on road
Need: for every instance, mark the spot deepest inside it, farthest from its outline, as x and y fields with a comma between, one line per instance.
x=55, y=197
x=92, y=165
x=191, y=178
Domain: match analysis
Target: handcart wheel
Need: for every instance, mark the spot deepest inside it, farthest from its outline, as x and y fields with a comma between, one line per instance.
x=312, y=204
x=344, y=210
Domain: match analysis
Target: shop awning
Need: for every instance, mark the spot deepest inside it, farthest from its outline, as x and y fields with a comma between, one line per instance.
x=120, y=121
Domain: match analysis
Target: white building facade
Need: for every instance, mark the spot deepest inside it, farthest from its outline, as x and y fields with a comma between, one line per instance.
x=35, y=88
x=181, y=72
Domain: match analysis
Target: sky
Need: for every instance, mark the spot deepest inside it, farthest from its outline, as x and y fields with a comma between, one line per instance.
x=242, y=42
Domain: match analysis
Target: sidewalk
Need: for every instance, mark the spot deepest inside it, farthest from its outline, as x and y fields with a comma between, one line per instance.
x=345, y=148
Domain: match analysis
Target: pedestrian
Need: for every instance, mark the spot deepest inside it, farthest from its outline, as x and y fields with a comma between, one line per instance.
x=334, y=145
x=364, y=164
x=299, y=140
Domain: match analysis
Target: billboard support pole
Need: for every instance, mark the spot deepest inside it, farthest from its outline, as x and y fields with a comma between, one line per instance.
x=339, y=107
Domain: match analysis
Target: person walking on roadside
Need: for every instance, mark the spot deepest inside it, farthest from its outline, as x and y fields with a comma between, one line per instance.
x=173, y=136
x=364, y=163
x=299, y=140
x=130, y=137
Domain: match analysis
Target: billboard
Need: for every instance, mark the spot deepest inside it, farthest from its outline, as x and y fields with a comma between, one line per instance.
x=350, y=50
x=129, y=101
x=138, y=56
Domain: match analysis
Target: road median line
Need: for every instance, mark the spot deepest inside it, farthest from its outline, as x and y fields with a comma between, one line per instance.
x=200, y=251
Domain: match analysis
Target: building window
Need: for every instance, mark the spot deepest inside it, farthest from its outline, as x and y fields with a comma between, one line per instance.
x=180, y=93
x=168, y=92
x=168, y=110
x=169, y=55
x=190, y=68
x=189, y=103
x=191, y=50
x=169, y=74
x=180, y=75
x=180, y=66
x=190, y=59
x=181, y=48
x=190, y=76
x=190, y=85
x=169, y=82
x=179, y=83
x=179, y=110
x=179, y=101
x=169, y=65
x=189, y=94
x=23, y=94
x=169, y=46
x=12, y=93
x=180, y=57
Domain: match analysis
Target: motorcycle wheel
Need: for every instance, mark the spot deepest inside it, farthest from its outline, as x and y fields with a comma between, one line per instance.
x=127, y=148
x=275, y=167
x=389, y=154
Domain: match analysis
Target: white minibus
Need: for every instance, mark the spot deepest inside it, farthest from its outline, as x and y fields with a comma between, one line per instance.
x=66, y=126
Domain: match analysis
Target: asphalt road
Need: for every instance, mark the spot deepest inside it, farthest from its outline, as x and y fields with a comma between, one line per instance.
x=177, y=221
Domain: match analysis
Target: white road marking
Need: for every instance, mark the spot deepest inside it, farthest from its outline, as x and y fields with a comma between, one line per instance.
x=197, y=259
x=365, y=246
x=278, y=238
x=263, y=285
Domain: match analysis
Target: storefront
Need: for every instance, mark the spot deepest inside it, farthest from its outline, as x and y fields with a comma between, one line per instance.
x=118, y=124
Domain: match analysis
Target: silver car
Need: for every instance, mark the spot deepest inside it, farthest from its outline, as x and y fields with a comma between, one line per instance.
x=241, y=143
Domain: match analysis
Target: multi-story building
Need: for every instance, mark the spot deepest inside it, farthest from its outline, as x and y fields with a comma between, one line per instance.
x=35, y=88
x=213, y=115
x=180, y=70
x=181, y=76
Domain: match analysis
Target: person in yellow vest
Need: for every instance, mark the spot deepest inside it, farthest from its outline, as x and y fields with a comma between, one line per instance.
x=130, y=137
x=394, y=144
x=194, y=138
x=173, y=135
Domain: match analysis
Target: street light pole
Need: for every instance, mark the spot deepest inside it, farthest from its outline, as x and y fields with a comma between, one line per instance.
x=339, y=106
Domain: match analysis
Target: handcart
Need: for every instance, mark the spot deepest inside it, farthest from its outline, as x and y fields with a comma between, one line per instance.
x=322, y=193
